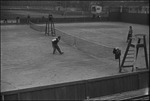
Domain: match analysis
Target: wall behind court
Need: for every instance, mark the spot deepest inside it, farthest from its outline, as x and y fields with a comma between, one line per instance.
x=137, y=18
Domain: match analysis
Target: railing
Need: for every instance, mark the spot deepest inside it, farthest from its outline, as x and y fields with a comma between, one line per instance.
x=80, y=90
x=130, y=95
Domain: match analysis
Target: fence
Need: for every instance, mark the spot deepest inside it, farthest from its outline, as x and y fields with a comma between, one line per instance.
x=79, y=90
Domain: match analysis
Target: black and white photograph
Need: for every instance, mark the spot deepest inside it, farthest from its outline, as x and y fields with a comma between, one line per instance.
x=74, y=50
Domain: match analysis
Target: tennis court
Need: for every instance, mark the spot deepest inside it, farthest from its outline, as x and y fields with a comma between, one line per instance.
x=27, y=59
x=107, y=35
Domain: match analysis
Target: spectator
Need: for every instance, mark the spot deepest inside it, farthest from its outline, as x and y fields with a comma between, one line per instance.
x=28, y=18
x=17, y=19
x=5, y=20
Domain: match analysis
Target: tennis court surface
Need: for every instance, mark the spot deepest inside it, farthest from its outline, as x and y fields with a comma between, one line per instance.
x=27, y=59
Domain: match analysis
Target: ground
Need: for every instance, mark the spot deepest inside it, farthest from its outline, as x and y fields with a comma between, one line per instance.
x=27, y=59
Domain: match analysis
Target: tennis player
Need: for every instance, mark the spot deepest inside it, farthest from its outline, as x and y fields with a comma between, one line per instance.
x=129, y=33
x=55, y=45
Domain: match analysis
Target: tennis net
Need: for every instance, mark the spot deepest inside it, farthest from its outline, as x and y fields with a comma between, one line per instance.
x=86, y=46
x=37, y=27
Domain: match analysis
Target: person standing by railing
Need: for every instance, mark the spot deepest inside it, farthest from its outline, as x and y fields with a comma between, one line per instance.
x=5, y=20
x=17, y=20
x=28, y=19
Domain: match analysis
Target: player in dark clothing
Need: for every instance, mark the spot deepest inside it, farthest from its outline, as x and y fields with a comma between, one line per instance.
x=55, y=45
x=129, y=33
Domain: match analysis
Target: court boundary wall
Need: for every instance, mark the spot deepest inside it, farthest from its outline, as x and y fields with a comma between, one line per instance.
x=79, y=90
x=135, y=18
x=113, y=16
